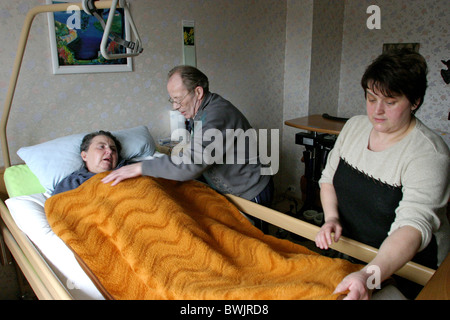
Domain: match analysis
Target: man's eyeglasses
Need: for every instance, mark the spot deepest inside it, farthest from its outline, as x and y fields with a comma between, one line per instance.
x=171, y=101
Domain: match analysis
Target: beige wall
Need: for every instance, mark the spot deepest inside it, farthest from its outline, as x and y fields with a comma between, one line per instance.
x=426, y=22
x=269, y=57
x=240, y=46
x=326, y=56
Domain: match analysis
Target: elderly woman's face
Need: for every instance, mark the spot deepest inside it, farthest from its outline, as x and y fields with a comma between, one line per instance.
x=101, y=155
x=388, y=114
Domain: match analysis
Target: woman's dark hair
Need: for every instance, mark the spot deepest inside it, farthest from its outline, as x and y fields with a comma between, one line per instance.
x=399, y=72
x=191, y=77
x=87, y=140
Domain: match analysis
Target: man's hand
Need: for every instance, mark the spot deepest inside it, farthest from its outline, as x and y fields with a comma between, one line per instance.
x=126, y=172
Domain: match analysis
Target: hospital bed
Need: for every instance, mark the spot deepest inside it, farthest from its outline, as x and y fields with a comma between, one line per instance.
x=46, y=277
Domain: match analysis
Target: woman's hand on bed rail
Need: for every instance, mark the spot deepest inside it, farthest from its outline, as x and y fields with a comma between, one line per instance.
x=324, y=236
x=332, y=225
x=126, y=172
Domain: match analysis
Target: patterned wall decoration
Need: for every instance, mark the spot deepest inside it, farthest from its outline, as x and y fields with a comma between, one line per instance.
x=240, y=46
x=257, y=54
x=415, y=21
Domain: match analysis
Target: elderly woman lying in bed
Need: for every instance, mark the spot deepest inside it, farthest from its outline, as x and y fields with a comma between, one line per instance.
x=100, y=152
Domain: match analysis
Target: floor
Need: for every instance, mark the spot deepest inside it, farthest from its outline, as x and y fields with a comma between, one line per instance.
x=9, y=286
x=13, y=285
x=291, y=206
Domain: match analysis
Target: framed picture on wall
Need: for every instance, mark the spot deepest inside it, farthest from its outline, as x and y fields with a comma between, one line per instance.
x=75, y=38
x=398, y=46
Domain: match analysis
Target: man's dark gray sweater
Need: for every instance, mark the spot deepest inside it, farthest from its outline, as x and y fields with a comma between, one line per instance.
x=240, y=179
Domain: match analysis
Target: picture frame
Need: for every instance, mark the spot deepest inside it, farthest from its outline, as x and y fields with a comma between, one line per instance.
x=398, y=46
x=75, y=39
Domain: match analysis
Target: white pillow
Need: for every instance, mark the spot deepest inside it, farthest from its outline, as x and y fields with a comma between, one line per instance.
x=54, y=160
x=29, y=214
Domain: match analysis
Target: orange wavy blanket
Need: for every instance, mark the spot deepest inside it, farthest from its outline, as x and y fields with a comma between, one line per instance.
x=152, y=238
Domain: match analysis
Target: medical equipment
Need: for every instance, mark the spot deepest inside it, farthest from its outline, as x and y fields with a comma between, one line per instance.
x=21, y=50
x=134, y=48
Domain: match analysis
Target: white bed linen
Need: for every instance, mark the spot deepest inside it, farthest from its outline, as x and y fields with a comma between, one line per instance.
x=29, y=214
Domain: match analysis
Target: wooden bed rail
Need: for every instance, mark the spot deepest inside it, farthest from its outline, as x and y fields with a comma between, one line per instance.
x=39, y=275
x=18, y=63
x=411, y=271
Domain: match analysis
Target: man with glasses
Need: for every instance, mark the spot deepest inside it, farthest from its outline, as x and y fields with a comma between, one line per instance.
x=189, y=93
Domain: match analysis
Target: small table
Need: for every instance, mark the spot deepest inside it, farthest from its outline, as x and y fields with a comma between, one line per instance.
x=317, y=123
x=318, y=143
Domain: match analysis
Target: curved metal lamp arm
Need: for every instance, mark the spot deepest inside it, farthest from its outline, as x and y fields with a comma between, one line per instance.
x=19, y=58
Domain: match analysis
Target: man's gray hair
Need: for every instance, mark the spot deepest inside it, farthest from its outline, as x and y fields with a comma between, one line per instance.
x=191, y=77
